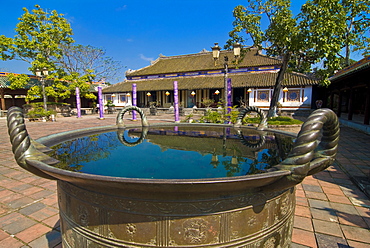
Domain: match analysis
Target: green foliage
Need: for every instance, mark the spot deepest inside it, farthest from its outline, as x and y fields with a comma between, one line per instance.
x=33, y=93
x=39, y=36
x=212, y=117
x=109, y=104
x=280, y=120
x=207, y=102
x=18, y=81
x=333, y=28
x=220, y=116
x=318, y=34
x=5, y=45
x=39, y=112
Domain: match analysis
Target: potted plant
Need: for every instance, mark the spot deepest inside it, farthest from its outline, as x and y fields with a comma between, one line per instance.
x=110, y=107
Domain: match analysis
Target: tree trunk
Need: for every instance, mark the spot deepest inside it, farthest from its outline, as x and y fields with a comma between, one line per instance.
x=277, y=87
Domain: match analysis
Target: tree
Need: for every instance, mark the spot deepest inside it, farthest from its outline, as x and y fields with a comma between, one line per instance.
x=38, y=41
x=39, y=38
x=89, y=62
x=335, y=28
x=317, y=34
x=80, y=65
x=280, y=39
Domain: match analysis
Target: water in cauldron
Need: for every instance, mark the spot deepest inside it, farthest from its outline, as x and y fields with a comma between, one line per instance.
x=174, y=152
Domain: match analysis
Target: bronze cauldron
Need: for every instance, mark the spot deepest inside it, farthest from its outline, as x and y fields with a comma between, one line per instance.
x=231, y=211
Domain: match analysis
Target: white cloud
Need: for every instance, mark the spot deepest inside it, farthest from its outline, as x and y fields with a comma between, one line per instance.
x=145, y=58
x=122, y=8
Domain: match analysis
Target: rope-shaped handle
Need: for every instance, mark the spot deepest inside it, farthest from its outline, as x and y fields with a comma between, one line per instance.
x=310, y=155
x=245, y=111
x=244, y=141
x=121, y=138
x=119, y=120
x=23, y=146
x=18, y=134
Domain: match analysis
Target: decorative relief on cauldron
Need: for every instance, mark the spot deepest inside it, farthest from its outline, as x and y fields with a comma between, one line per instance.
x=270, y=243
x=251, y=221
x=195, y=230
x=285, y=205
x=83, y=215
x=130, y=229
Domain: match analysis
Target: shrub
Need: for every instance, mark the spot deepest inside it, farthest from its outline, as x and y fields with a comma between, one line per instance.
x=39, y=112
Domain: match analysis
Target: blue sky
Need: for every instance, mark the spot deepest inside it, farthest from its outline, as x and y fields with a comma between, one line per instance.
x=134, y=31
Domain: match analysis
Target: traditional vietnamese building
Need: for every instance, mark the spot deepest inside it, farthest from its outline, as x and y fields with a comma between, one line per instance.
x=349, y=92
x=200, y=77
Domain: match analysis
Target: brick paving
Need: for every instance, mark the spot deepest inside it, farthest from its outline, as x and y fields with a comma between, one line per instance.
x=331, y=209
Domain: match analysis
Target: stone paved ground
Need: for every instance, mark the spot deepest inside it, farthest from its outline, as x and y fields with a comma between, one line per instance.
x=331, y=211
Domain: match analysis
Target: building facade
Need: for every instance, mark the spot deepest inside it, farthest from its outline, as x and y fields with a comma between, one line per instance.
x=349, y=91
x=201, y=77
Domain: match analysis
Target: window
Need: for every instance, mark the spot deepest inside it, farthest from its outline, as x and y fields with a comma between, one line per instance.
x=293, y=95
x=108, y=97
x=263, y=95
x=122, y=98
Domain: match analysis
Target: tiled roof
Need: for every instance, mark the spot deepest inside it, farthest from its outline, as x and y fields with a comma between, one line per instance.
x=201, y=62
x=239, y=80
x=359, y=65
x=4, y=82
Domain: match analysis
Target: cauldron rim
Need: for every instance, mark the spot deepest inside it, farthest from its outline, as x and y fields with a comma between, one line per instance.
x=248, y=181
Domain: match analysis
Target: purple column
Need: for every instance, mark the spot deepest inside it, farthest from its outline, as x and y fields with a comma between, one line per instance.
x=229, y=86
x=100, y=101
x=78, y=102
x=134, y=101
x=176, y=101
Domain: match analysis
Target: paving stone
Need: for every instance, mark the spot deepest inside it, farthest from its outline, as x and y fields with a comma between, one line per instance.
x=303, y=223
x=316, y=195
x=328, y=241
x=319, y=204
x=332, y=190
x=324, y=214
x=356, y=234
x=10, y=242
x=18, y=203
x=53, y=221
x=295, y=245
x=51, y=239
x=33, y=233
x=327, y=227
x=304, y=237
x=338, y=199
x=312, y=188
x=302, y=211
x=3, y=235
x=44, y=213
x=30, y=209
x=356, y=244
x=19, y=225
x=302, y=201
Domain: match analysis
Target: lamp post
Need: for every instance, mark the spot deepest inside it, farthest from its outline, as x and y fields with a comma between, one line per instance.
x=42, y=74
x=216, y=55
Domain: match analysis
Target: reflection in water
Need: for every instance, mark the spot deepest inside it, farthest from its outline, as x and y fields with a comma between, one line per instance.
x=168, y=153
